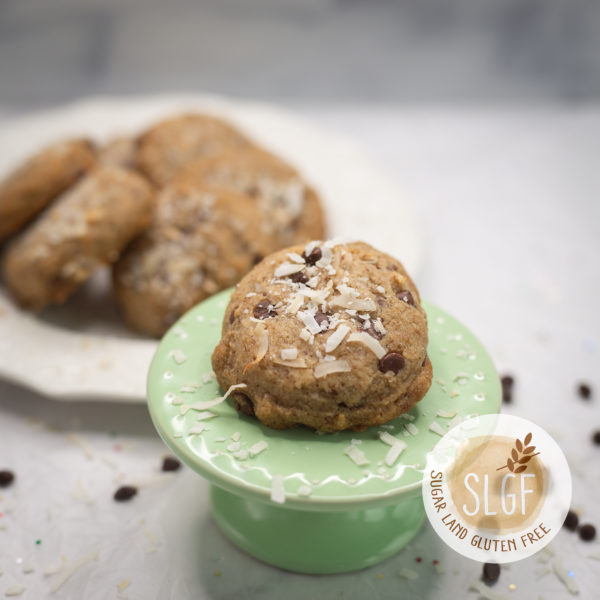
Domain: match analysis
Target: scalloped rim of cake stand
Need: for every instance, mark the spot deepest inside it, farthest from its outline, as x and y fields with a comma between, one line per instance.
x=464, y=380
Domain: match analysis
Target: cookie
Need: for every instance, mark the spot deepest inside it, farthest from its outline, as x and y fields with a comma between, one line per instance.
x=25, y=192
x=173, y=143
x=119, y=152
x=202, y=239
x=327, y=335
x=290, y=209
x=87, y=226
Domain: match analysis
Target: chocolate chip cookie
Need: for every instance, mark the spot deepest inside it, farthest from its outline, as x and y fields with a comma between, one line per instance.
x=327, y=335
x=173, y=143
x=25, y=192
x=290, y=209
x=85, y=227
x=202, y=239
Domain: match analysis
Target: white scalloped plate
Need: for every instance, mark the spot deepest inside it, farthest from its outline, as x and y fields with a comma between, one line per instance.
x=80, y=351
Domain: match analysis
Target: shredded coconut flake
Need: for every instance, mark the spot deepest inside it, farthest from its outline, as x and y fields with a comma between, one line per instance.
x=563, y=575
x=234, y=447
x=197, y=429
x=262, y=338
x=387, y=438
x=437, y=428
x=394, y=452
x=332, y=366
x=286, y=268
x=309, y=321
x=411, y=428
x=295, y=257
x=258, y=448
x=408, y=574
x=336, y=338
x=296, y=304
x=206, y=414
x=241, y=455
x=298, y=363
x=304, y=490
x=486, y=592
x=362, y=337
x=356, y=455
x=277, y=489
x=15, y=590
x=70, y=570
x=305, y=335
x=326, y=256
x=289, y=353
x=178, y=356
x=446, y=414
x=203, y=405
x=236, y=436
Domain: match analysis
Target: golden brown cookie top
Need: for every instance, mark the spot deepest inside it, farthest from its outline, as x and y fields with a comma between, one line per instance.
x=279, y=191
x=330, y=335
x=173, y=143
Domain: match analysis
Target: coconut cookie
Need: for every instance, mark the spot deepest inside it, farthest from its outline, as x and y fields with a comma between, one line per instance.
x=31, y=187
x=291, y=209
x=202, y=239
x=119, y=151
x=327, y=335
x=171, y=144
x=87, y=226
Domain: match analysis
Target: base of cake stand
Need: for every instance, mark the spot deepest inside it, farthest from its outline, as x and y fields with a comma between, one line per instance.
x=309, y=541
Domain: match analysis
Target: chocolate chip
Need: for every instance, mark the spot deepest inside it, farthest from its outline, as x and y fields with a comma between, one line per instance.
x=124, y=493
x=170, y=464
x=587, y=532
x=406, y=296
x=243, y=404
x=507, y=382
x=491, y=572
x=313, y=257
x=6, y=478
x=571, y=521
x=299, y=277
x=392, y=361
x=321, y=317
x=232, y=316
x=596, y=437
x=373, y=332
x=584, y=391
x=263, y=310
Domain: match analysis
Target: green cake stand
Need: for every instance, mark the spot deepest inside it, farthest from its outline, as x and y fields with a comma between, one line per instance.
x=294, y=498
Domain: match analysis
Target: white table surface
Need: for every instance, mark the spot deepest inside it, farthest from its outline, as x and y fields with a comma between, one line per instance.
x=510, y=203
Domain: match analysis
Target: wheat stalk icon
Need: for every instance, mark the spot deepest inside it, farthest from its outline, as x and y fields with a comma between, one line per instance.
x=520, y=455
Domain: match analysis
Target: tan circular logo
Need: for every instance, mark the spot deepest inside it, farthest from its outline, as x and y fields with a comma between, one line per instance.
x=497, y=488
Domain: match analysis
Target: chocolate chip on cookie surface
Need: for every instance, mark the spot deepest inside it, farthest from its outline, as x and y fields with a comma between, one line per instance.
x=303, y=347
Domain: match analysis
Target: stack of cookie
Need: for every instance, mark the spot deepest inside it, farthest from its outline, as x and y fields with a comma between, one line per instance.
x=181, y=212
